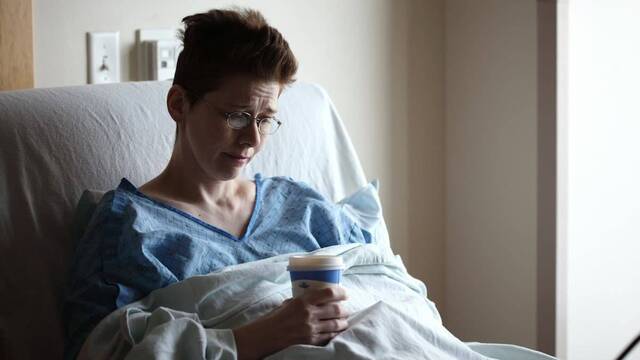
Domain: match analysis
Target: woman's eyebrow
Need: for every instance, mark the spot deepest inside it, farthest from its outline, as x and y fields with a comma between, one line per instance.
x=237, y=105
x=268, y=110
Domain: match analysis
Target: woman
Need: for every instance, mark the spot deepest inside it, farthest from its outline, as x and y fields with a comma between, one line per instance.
x=199, y=215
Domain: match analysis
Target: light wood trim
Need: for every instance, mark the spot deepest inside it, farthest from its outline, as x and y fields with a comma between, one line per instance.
x=16, y=44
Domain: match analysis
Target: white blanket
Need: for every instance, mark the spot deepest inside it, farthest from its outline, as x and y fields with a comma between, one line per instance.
x=391, y=315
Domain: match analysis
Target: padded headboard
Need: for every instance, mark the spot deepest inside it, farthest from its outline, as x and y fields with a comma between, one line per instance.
x=57, y=142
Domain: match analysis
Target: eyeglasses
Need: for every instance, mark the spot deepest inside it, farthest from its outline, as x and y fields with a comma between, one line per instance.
x=240, y=120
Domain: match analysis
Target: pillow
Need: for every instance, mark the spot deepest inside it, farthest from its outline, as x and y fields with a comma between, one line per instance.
x=363, y=207
x=83, y=213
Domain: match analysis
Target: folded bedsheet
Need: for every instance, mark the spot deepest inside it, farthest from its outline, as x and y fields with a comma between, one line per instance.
x=391, y=316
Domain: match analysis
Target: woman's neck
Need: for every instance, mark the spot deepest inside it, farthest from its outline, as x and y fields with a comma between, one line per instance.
x=184, y=184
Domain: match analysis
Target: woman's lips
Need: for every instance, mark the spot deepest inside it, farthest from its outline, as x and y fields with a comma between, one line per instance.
x=238, y=159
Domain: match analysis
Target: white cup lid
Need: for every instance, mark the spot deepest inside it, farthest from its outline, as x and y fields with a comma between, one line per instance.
x=315, y=262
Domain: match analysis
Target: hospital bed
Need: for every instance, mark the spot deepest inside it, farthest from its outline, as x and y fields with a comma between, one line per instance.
x=57, y=142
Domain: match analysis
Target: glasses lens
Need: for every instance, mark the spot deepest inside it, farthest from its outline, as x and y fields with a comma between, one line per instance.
x=268, y=126
x=238, y=120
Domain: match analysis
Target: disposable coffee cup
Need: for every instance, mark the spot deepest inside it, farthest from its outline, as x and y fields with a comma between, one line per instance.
x=314, y=272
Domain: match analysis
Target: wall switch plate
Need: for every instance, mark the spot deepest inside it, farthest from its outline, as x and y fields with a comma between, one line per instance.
x=103, y=50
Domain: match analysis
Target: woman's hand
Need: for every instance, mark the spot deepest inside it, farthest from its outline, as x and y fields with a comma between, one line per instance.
x=313, y=318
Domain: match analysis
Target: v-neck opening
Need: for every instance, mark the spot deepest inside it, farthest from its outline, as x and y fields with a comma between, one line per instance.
x=127, y=185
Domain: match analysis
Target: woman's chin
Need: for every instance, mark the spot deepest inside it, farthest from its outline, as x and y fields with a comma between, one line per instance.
x=229, y=173
x=228, y=169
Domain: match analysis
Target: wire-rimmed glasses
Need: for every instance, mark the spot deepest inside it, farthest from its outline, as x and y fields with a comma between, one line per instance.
x=240, y=119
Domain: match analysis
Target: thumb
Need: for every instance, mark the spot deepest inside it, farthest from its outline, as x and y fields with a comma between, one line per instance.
x=285, y=302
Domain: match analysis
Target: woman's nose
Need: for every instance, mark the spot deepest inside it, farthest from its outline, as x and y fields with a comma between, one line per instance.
x=250, y=135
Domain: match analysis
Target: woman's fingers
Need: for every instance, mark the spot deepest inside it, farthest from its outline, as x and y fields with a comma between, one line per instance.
x=333, y=310
x=316, y=317
x=324, y=338
x=326, y=295
x=332, y=326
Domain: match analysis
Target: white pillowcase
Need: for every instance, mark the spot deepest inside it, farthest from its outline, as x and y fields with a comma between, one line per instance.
x=364, y=207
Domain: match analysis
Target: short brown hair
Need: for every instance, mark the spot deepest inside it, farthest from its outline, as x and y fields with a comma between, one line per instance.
x=220, y=43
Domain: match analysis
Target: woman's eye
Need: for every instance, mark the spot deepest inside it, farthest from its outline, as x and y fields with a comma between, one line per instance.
x=239, y=120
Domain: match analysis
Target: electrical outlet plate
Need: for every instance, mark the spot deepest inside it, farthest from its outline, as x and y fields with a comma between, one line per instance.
x=164, y=56
x=103, y=50
x=144, y=43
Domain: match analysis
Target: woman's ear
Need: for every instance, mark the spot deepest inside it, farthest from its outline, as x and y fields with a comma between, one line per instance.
x=177, y=104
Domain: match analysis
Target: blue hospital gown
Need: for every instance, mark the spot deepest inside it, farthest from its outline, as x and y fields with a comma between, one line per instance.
x=134, y=245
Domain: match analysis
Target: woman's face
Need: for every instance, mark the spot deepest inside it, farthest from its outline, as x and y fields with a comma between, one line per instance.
x=217, y=151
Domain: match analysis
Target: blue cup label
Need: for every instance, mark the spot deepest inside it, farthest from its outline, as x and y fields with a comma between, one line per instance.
x=301, y=281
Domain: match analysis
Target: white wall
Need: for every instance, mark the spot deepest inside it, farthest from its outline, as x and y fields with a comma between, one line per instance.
x=491, y=147
x=601, y=175
x=426, y=146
